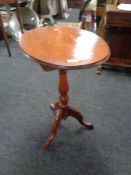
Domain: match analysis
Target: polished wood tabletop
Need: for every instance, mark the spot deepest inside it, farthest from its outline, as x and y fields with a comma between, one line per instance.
x=64, y=47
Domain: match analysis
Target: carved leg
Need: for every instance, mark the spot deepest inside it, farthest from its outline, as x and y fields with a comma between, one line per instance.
x=77, y=115
x=55, y=125
x=63, y=100
x=98, y=69
x=55, y=106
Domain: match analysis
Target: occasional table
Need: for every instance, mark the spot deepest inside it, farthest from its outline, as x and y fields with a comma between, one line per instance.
x=64, y=48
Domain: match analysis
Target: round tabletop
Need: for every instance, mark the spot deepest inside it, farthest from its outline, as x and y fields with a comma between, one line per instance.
x=64, y=47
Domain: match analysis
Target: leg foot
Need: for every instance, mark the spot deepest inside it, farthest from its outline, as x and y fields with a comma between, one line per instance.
x=55, y=106
x=77, y=115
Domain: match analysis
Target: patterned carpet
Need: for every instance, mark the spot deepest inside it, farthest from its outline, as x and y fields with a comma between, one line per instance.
x=69, y=24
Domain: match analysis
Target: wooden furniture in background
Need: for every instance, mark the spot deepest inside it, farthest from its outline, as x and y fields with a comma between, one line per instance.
x=118, y=36
x=2, y=29
x=75, y=3
x=63, y=49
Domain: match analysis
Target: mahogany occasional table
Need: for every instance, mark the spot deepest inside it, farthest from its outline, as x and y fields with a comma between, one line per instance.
x=64, y=48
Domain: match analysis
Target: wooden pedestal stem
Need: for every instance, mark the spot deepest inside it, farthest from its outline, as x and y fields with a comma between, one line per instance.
x=63, y=88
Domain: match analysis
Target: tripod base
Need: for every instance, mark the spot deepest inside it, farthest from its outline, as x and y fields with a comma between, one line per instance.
x=63, y=113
